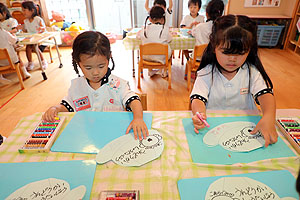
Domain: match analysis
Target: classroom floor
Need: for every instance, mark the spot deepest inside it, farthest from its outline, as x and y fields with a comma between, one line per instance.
x=282, y=66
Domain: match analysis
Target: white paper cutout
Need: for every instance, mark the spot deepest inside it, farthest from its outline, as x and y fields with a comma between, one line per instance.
x=240, y=188
x=50, y=189
x=127, y=151
x=234, y=136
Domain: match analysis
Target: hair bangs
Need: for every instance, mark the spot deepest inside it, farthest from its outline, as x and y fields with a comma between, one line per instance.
x=236, y=41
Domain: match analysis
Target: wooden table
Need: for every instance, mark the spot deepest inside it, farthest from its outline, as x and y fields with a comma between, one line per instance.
x=180, y=41
x=35, y=40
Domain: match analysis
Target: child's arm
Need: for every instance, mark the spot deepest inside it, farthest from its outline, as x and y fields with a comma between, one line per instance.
x=14, y=30
x=170, y=5
x=147, y=5
x=52, y=112
x=267, y=123
x=198, y=106
x=137, y=124
x=42, y=27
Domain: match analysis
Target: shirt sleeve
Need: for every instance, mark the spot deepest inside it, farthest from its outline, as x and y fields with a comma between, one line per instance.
x=202, y=85
x=10, y=38
x=14, y=23
x=258, y=85
x=128, y=96
x=183, y=22
x=195, y=30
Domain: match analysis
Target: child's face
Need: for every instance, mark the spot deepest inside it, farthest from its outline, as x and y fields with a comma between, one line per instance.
x=94, y=67
x=27, y=13
x=230, y=62
x=194, y=9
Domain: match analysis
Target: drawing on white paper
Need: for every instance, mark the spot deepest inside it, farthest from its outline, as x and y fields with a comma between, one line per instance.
x=127, y=151
x=240, y=188
x=50, y=189
x=234, y=136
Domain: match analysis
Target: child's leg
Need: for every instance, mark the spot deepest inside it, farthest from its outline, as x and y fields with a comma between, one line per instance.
x=29, y=52
x=24, y=72
x=186, y=53
x=44, y=62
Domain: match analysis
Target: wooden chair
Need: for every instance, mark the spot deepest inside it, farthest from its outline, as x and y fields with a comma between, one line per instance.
x=192, y=64
x=143, y=98
x=154, y=49
x=19, y=16
x=11, y=67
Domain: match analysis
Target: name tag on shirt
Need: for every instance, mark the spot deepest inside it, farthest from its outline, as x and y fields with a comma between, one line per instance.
x=244, y=91
x=82, y=103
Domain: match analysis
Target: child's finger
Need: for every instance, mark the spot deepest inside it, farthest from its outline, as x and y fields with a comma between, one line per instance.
x=267, y=139
x=128, y=129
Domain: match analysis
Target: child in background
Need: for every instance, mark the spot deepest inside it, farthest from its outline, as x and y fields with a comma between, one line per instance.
x=156, y=32
x=163, y=4
x=231, y=75
x=202, y=31
x=191, y=20
x=7, y=42
x=7, y=23
x=98, y=89
x=33, y=24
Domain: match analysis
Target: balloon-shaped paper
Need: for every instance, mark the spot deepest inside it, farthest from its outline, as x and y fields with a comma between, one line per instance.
x=234, y=136
x=127, y=151
x=50, y=189
x=229, y=188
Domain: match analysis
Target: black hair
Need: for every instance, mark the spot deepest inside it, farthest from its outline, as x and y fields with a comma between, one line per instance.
x=298, y=183
x=3, y=9
x=236, y=34
x=156, y=12
x=160, y=2
x=196, y=2
x=214, y=9
x=90, y=43
x=32, y=7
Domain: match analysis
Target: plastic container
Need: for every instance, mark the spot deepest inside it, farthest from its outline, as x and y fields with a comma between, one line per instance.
x=268, y=35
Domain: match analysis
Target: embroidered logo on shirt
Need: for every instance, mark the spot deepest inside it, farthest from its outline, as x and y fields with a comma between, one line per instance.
x=244, y=91
x=82, y=103
x=111, y=101
x=114, y=84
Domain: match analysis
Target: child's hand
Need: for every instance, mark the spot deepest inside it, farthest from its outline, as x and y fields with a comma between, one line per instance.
x=139, y=127
x=194, y=24
x=20, y=27
x=198, y=124
x=267, y=128
x=50, y=114
x=41, y=29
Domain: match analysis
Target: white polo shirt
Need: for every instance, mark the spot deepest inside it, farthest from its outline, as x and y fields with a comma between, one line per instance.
x=224, y=94
x=113, y=95
x=7, y=42
x=153, y=36
x=33, y=27
x=9, y=24
x=201, y=32
x=188, y=20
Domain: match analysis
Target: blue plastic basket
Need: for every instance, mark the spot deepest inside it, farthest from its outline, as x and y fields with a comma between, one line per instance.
x=268, y=35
